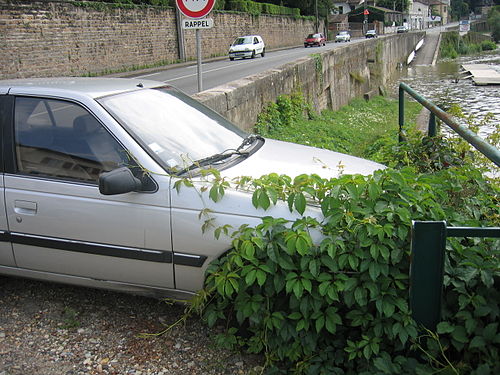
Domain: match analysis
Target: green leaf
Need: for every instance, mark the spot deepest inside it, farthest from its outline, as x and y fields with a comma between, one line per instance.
x=250, y=277
x=298, y=289
x=374, y=251
x=261, y=277
x=320, y=323
x=490, y=331
x=300, y=325
x=388, y=309
x=307, y=285
x=374, y=271
x=384, y=365
x=323, y=287
x=477, y=342
x=248, y=249
x=444, y=327
x=314, y=267
x=460, y=335
x=264, y=201
x=300, y=203
x=384, y=251
x=374, y=190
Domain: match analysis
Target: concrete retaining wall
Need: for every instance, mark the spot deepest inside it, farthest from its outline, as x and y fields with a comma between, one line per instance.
x=328, y=79
x=56, y=38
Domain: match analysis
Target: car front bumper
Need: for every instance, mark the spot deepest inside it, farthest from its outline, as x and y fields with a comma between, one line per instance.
x=242, y=54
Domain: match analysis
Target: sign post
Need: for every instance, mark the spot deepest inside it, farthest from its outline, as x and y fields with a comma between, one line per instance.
x=196, y=9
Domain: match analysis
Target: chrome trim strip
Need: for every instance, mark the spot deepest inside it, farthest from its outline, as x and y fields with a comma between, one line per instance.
x=192, y=260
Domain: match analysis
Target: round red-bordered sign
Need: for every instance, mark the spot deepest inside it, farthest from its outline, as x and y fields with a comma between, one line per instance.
x=195, y=8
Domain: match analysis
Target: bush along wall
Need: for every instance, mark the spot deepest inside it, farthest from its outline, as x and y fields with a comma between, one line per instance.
x=340, y=305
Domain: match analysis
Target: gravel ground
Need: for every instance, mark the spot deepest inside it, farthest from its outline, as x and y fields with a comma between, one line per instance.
x=52, y=329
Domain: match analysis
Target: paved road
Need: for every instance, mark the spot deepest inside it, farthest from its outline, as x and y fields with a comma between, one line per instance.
x=220, y=71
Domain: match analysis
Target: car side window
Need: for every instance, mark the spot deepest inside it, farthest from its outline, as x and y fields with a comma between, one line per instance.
x=62, y=139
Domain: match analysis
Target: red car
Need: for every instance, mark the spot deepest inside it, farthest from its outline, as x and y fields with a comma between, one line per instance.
x=317, y=39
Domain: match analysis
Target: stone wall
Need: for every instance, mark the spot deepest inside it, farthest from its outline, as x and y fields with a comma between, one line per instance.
x=330, y=79
x=54, y=38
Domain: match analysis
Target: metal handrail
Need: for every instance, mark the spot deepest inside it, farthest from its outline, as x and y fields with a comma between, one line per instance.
x=480, y=144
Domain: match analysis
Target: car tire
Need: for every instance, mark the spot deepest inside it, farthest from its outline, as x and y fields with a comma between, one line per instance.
x=231, y=58
x=253, y=54
x=263, y=52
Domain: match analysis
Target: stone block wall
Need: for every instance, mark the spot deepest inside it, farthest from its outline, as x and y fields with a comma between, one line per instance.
x=56, y=38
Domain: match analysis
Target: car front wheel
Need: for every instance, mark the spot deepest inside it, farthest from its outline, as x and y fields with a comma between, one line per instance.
x=253, y=54
x=263, y=52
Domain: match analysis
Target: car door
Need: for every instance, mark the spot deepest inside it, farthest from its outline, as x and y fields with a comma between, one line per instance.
x=6, y=254
x=259, y=45
x=58, y=221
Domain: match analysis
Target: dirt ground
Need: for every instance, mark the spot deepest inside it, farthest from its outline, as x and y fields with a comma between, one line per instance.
x=53, y=329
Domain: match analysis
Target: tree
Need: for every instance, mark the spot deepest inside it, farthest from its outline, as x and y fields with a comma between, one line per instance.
x=398, y=5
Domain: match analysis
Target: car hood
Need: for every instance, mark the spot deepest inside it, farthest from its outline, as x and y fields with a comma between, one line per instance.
x=292, y=159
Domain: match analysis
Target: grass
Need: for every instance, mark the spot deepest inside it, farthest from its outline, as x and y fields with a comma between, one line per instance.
x=353, y=129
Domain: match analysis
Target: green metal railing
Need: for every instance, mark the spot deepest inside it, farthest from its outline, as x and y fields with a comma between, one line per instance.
x=480, y=144
x=428, y=242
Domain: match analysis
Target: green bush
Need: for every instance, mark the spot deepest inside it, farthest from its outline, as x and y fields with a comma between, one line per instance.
x=494, y=22
x=340, y=306
x=261, y=8
x=488, y=45
x=453, y=45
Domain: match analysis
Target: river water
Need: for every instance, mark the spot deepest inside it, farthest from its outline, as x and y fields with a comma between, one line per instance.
x=443, y=84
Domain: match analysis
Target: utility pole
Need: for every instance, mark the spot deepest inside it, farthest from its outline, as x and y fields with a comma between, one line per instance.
x=365, y=20
x=317, y=17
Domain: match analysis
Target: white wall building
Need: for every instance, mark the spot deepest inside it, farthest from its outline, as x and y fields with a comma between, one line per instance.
x=418, y=15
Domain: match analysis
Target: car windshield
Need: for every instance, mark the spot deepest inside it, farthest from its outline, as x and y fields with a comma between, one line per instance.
x=175, y=128
x=310, y=36
x=343, y=33
x=242, y=40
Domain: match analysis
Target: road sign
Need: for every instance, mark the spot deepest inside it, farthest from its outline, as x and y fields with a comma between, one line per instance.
x=202, y=23
x=195, y=8
x=366, y=12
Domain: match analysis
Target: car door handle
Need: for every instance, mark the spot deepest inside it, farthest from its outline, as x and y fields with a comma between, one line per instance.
x=25, y=207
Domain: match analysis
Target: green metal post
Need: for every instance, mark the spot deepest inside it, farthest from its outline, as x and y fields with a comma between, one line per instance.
x=426, y=271
x=401, y=113
x=431, y=132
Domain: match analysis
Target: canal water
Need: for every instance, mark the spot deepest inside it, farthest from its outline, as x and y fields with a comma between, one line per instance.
x=443, y=84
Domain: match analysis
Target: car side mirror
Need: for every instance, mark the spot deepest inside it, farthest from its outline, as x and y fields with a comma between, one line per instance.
x=118, y=181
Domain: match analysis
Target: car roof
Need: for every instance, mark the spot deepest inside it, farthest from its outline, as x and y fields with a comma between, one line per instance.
x=89, y=86
x=248, y=36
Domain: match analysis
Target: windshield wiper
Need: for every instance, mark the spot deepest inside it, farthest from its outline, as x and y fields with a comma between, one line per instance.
x=249, y=140
x=216, y=158
x=211, y=160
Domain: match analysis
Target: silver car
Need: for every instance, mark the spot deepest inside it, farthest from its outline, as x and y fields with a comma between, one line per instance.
x=343, y=36
x=88, y=168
